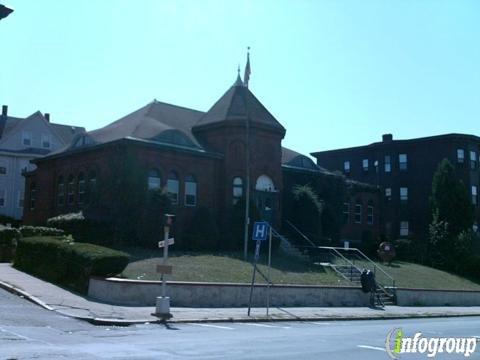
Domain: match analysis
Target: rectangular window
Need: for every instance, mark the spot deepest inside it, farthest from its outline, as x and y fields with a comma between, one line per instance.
x=403, y=194
x=404, y=228
x=346, y=167
x=403, y=162
x=358, y=213
x=190, y=193
x=3, y=170
x=21, y=199
x=365, y=165
x=388, y=164
x=46, y=141
x=474, y=195
x=27, y=138
x=388, y=194
x=346, y=213
x=460, y=156
x=370, y=215
x=3, y=200
x=473, y=160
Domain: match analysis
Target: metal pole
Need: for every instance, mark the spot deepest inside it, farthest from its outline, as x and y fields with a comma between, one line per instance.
x=247, y=180
x=268, y=269
x=165, y=257
x=257, y=251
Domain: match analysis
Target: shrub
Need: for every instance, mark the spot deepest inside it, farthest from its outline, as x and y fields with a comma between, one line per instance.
x=202, y=234
x=8, y=242
x=4, y=220
x=471, y=267
x=29, y=231
x=83, y=229
x=60, y=260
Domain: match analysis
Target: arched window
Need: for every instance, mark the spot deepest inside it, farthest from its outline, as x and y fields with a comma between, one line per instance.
x=237, y=189
x=264, y=183
x=154, y=179
x=190, y=191
x=71, y=190
x=92, y=184
x=60, y=191
x=33, y=195
x=173, y=187
x=81, y=188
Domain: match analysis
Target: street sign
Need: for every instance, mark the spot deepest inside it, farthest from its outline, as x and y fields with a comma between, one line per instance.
x=164, y=269
x=260, y=231
x=170, y=241
x=257, y=250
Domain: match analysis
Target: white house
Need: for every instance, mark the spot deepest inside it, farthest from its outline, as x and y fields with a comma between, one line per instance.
x=21, y=140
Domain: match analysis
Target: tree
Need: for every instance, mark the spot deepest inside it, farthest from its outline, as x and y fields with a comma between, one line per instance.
x=306, y=212
x=452, y=214
x=450, y=199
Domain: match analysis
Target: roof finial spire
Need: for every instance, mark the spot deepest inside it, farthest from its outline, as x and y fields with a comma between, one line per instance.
x=239, y=81
x=246, y=76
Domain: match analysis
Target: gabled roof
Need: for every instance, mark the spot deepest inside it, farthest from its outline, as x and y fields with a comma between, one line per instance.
x=236, y=104
x=154, y=121
x=65, y=132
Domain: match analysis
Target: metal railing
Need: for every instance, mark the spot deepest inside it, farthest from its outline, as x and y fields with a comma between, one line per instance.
x=352, y=258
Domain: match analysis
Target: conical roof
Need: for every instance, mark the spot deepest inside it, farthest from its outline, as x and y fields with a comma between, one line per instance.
x=235, y=104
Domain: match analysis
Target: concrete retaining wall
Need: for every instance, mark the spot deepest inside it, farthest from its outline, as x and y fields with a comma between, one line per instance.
x=195, y=294
x=190, y=294
x=426, y=297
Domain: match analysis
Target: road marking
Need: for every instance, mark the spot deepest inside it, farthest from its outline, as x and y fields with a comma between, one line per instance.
x=371, y=347
x=25, y=337
x=215, y=326
x=268, y=326
x=321, y=323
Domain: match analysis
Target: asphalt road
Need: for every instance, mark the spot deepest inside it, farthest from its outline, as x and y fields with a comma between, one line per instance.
x=30, y=332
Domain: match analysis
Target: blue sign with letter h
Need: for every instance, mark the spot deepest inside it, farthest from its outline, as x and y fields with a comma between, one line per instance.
x=260, y=231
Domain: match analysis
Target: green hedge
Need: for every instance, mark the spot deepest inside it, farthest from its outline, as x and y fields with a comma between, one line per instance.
x=60, y=260
x=83, y=229
x=8, y=242
x=29, y=231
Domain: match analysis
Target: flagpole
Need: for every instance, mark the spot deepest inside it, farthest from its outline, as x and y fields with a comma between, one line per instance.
x=247, y=159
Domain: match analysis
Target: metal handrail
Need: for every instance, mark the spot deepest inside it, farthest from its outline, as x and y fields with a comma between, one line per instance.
x=301, y=234
x=364, y=256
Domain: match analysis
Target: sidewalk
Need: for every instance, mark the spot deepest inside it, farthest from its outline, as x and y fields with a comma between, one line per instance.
x=57, y=299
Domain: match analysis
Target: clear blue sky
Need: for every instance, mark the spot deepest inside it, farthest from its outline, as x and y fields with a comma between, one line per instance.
x=334, y=73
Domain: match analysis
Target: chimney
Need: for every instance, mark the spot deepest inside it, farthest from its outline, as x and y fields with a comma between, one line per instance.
x=47, y=116
x=387, y=137
x=5, y=110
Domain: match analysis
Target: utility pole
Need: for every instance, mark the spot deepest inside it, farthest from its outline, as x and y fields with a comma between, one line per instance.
x=246, y=78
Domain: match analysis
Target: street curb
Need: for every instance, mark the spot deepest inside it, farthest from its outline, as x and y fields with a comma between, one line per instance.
x=19, y=292
x=123, y=322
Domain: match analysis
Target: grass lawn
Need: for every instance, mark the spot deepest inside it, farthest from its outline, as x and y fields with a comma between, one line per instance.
x=226, y=268
x=418, y=276
x=230, y=267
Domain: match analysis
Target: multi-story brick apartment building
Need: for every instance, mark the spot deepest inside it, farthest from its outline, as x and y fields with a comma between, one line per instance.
x=198, y=157
x=403, y=171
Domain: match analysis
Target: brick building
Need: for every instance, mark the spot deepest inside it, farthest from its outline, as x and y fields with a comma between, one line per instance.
x=403, y=170
x=199, y=158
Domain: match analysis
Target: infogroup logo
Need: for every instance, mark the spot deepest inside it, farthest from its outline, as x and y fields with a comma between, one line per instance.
x=397, y=343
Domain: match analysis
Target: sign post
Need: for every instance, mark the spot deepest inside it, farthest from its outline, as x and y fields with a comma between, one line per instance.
x=269, y=266
x=163, y=302
x=260, y=231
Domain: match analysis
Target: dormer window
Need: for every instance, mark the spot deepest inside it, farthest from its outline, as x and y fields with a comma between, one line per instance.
x=27, y=138
x=82, y=141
